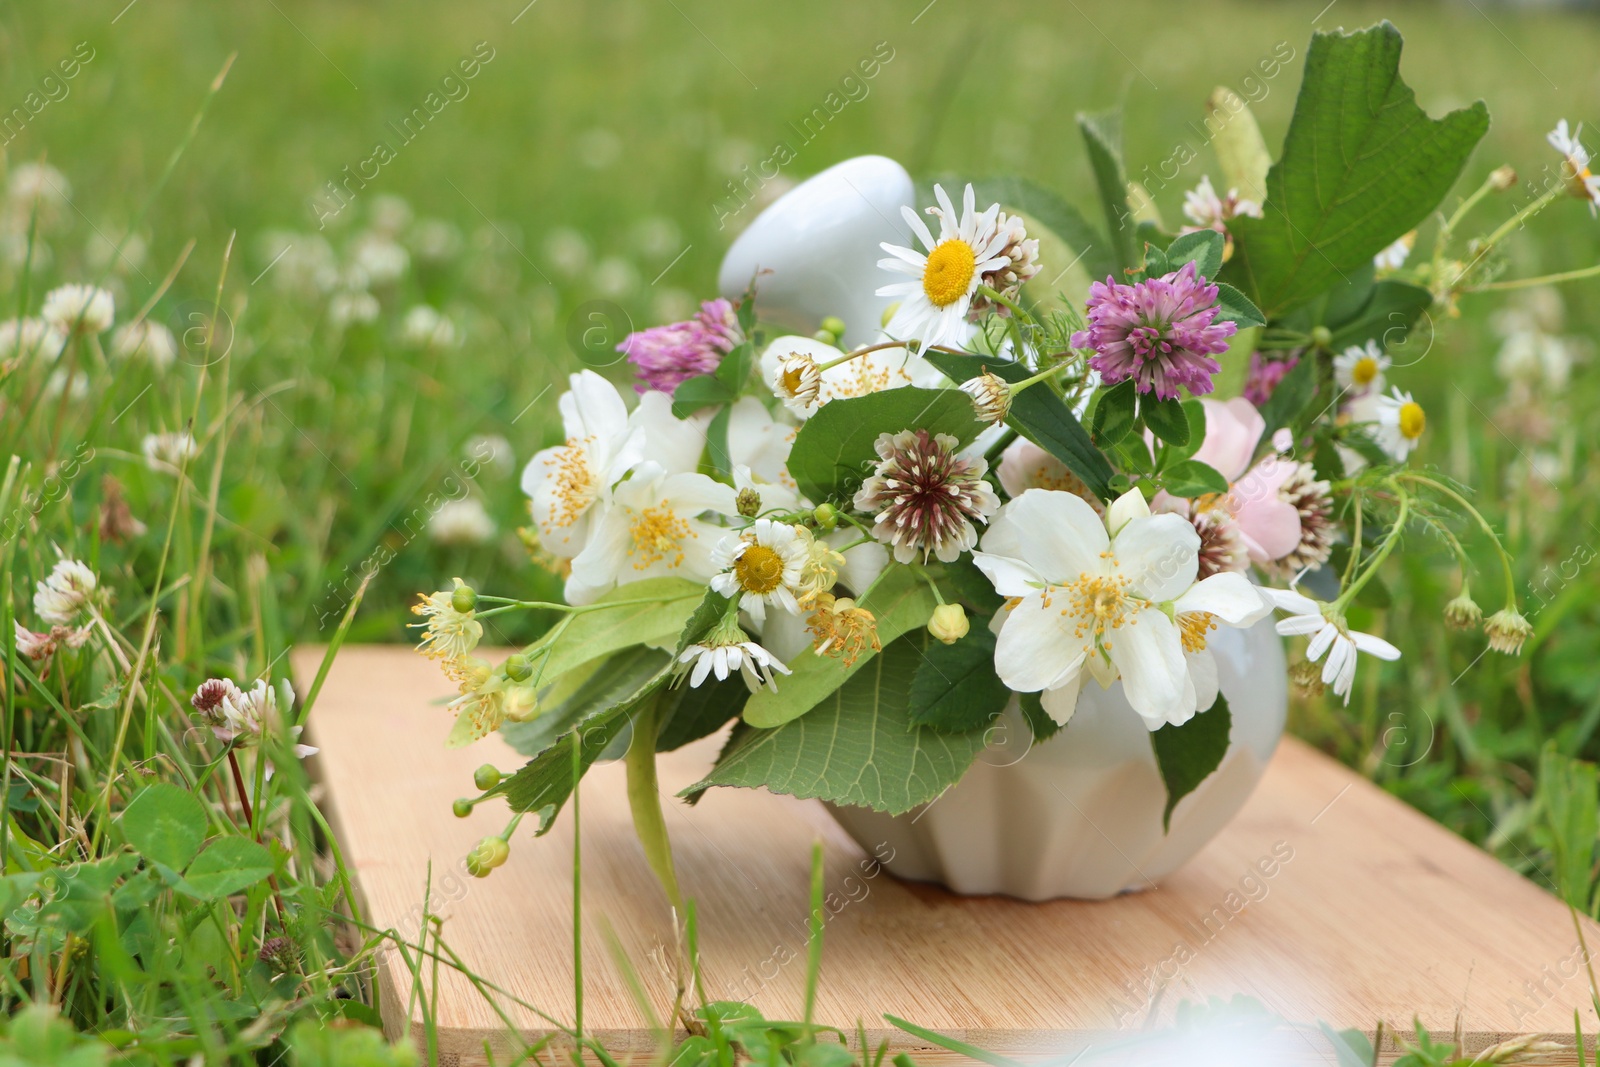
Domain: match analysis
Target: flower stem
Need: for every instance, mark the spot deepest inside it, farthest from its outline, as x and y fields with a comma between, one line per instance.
x=644, y=799
x=1544, y=279
x=863, y=350
x=1375, y=561
x=1483, y=523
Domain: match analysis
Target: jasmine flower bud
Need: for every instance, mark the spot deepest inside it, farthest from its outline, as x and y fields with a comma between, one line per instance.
x=949, y=623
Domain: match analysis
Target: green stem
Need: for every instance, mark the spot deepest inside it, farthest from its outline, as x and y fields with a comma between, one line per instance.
x=1391, y=539
x=1483, y=523
x=644, y=799
x=1544, y=279
x=848, y=356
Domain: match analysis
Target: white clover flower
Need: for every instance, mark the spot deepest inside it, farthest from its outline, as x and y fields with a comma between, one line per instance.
x=352, y=308
x=168, y=451
x=461, y=522
x=381, y=259
x=425, y=327
x=79, y=309
x=1329, y=636
x=146, y=340
x=37, y=184
x=390, y=214
x=30, y=337
x=435, y=241
x=69, y=588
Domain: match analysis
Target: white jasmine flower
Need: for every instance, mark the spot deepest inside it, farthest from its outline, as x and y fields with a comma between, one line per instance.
x=69, y=588
x=653, y=527
x=1394, y=256
x=168, y=451
x=1330, y=636
x=569, y=484
x=425, y=327
x=30, y=337
x=934, y=305
x=765, y=563
x=1399, y=424
x=1102, y=596
x=79, y=309
x=792, y=367
x=1360, y=369
x=461, y=522
x=1584, y=184
x=761, y=444
x=145, y=340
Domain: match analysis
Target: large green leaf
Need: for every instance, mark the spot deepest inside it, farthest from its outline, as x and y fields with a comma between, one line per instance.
x=228, y=865
x=955, y=687
x=901, y=601
x=166, y=824
x=1362, y=164
x=1187, y=754
x=1040, y=416
x=652, y=610
x=858, y=747
x=688, y=714
x=834, y=451
x=1037, y=203
x=1102, y=136
x=1392, y=308
x=614, y=680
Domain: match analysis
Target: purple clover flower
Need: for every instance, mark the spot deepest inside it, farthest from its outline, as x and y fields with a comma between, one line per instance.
x=665, y=356
x=1265, y=374
x=1159, y=332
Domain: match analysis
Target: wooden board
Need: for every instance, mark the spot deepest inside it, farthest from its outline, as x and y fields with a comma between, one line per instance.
x=1325, y=899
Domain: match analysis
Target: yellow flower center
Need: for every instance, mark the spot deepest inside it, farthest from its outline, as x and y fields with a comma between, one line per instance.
x=1365, y=370
x=1412, y=420
x=1193, y=627
x=949, y=272
x=1097, y=604
x=791, y=381
x=759, y=569
x=575, y=484
x=658, y=536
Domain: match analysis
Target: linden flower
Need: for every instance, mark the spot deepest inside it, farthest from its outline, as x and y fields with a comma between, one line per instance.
x=1360, y=369
x=820, y=569
x=762, y=566
x=933, y=307
x=925, y=497
x=1329, y=635
x=1584, y=184
x=451, y=632
x=1113, y=598
x=568, y=483
x=69, y=588
x=79, y=309
x=1400, y=422
x=841, y=629
x=652, y=528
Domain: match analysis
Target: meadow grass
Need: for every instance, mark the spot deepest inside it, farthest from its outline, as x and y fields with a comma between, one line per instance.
x=595, y=162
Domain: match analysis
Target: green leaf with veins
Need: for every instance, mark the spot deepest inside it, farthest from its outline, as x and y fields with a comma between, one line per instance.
x=1187, y=754
x=834, y=451
x=859, y=746
x=955, y=687
x=1362, y=165
x=653, y=610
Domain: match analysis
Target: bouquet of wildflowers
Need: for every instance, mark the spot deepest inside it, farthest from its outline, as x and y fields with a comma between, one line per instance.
x=862, y=554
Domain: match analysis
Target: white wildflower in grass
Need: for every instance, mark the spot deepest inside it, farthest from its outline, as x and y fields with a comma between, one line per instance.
x=451, y=631
x=239, y=718
x=615, y=278
x=1394, y=256
x=168, y=452
x=569, y=485
x=425, y=327
x=656, y=526
x=299, y=263
x=30, y=338
x=1583, y=183
x=382, y=259
x=1532, y=357
x=145, y=340
x=1399, y=424
x=435, y=241
x=1205, y=210
x=925, y=497
x=352, y=308
x=1360, y=369
x=567, y=251
x=40, y=646
x=934, y=304
x=79, y=309
x=461, y=522
x=64, y=594
x=1330, y=636
x=1113, y=598
x=490, y=449
x=102, y=253
x=75, y=385
x=762, y=565
x=37, y=186
x=390, y=214
x=728, y=650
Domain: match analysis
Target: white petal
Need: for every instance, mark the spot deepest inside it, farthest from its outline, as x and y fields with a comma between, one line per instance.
x=1326, y=637
x=593, y=408
x=1010, y=577
x=1289, y=600
x=1130, y=505
x=1203, y=673
x=1375, y=646
x=674, y=443
x=1300, y=625
x=1056, y=533
x=1160, y=554
x=1059, y=703
x=1228, y=596
x=1149, y=657
x=1035, y=649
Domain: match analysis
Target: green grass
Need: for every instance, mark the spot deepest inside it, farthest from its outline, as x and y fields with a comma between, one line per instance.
x=323, y=452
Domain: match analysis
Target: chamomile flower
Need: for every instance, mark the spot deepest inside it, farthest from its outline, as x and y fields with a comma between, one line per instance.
x=727, y=650
x=1329, y=636
x=934, y=305
x=1399, y=424
x=1360, y=369
x=762, y=565
x=1584, y=184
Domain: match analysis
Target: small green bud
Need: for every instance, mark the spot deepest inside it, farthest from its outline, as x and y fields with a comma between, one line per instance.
x=949, y=623
x=748, y=502
x=464, y=599
x=493, y=851
x=477, y=865
x=834, y=325
x=825, y=337
x=518, y=669
x=461, y=808
x=486, y=777
x=1321, y=337
x=827, y=516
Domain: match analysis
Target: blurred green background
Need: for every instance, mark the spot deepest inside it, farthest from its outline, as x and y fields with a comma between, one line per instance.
x=586, y=160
